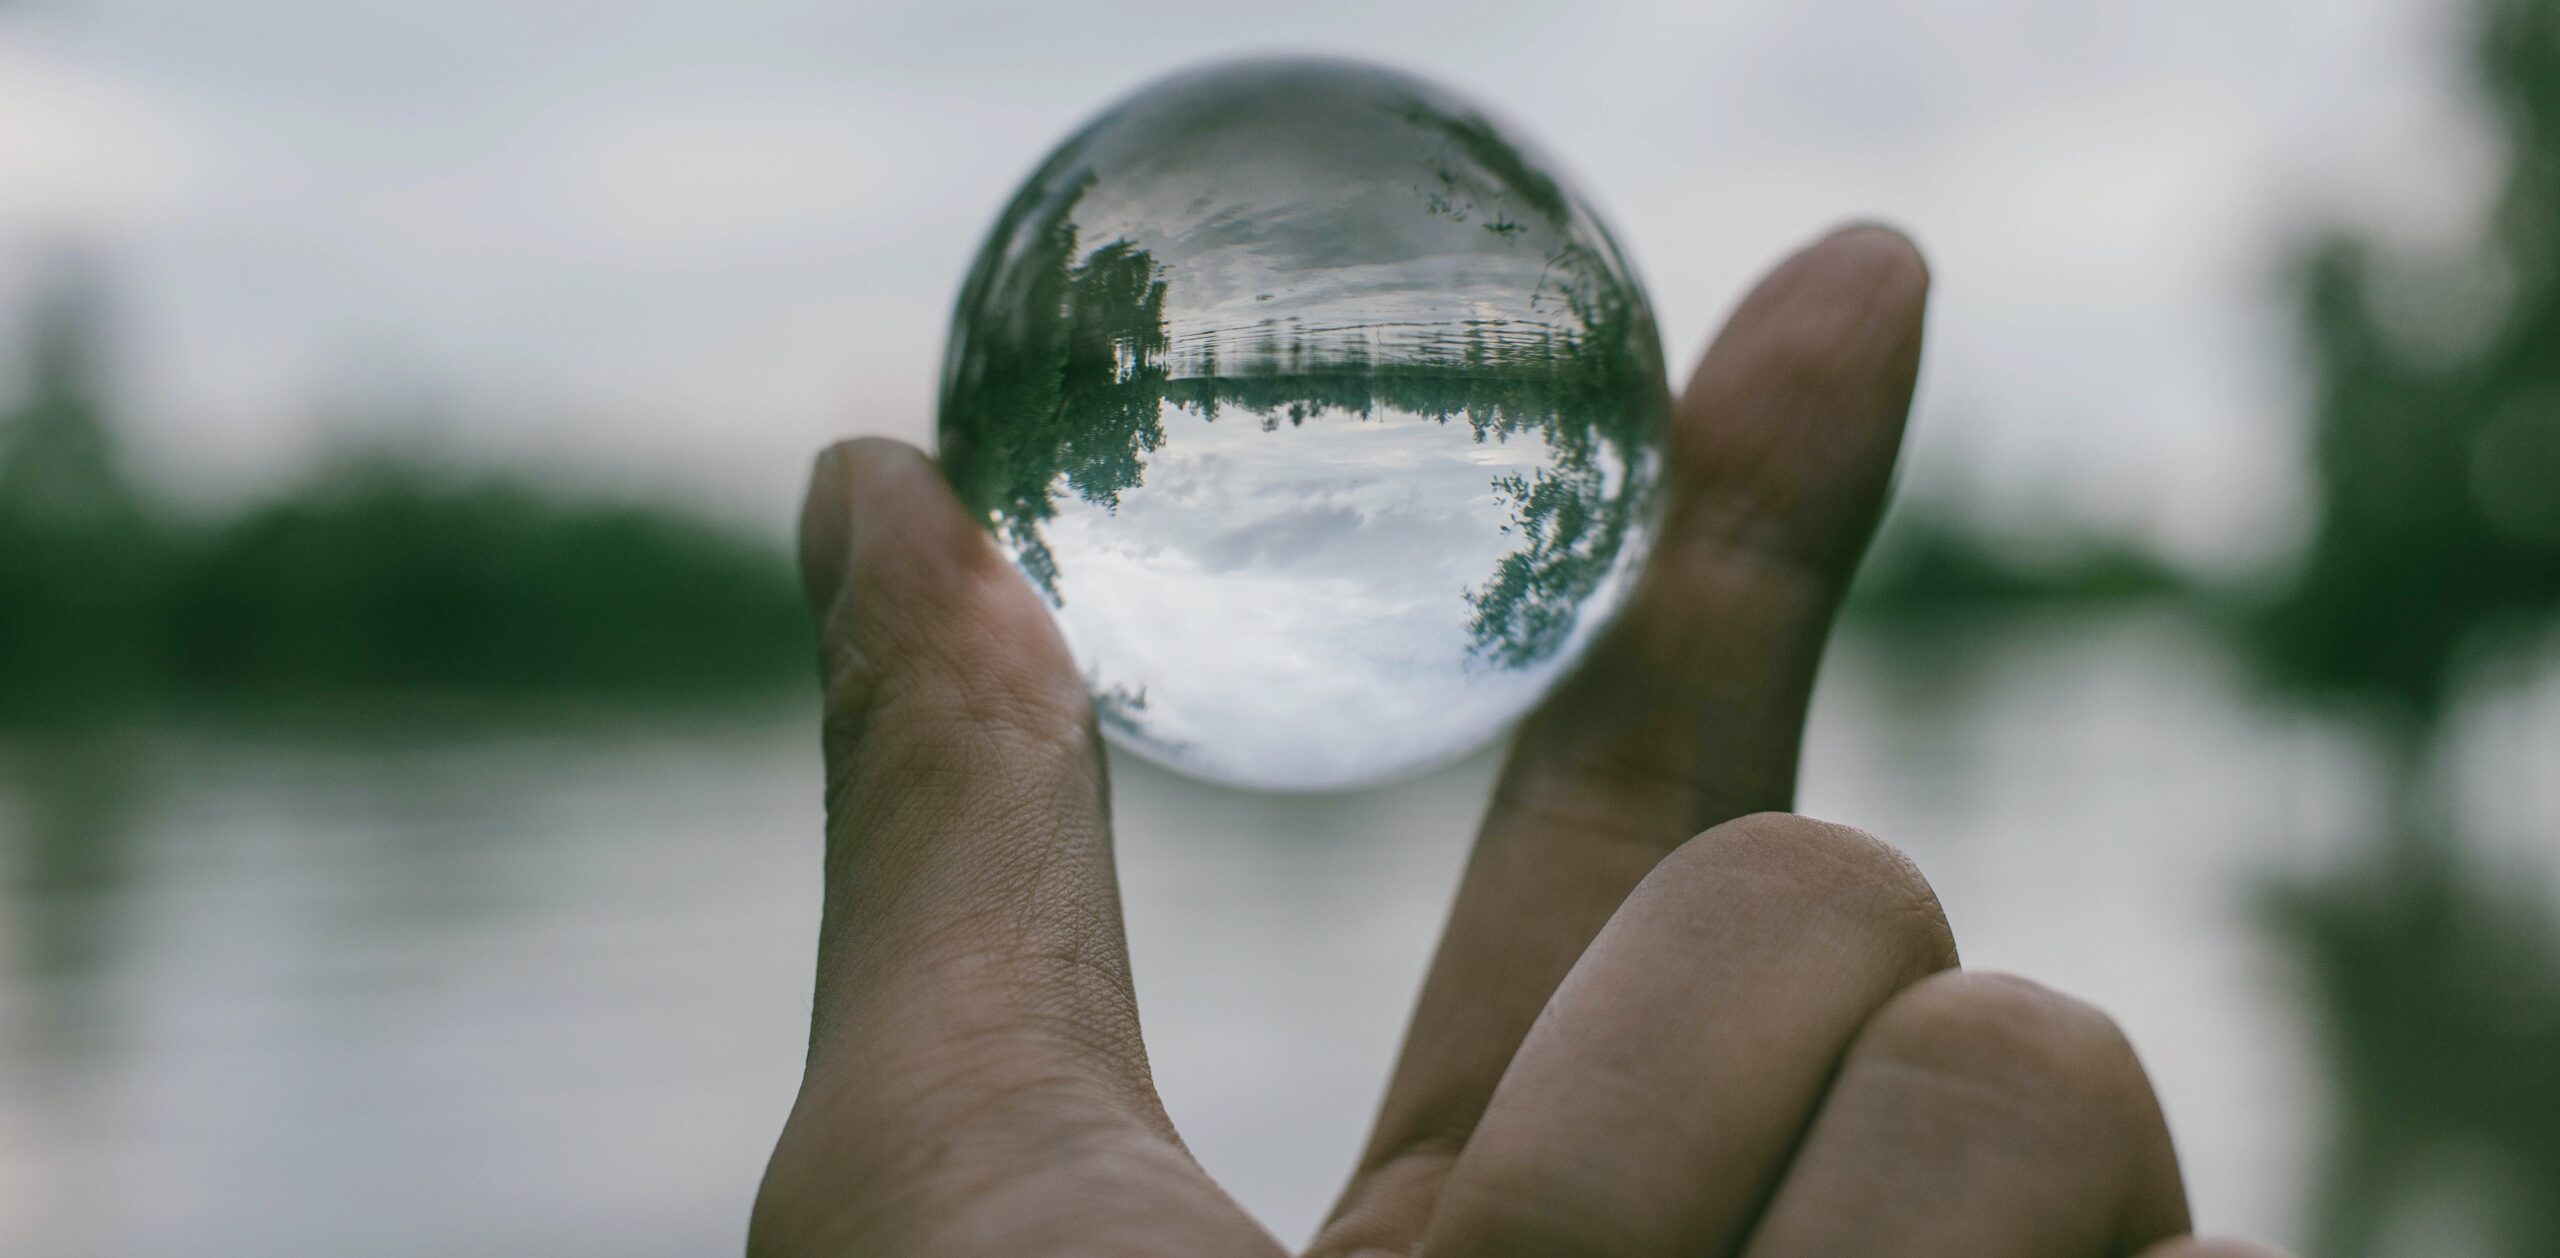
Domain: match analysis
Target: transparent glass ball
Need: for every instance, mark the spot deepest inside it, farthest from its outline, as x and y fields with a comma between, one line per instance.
x=1326, y=416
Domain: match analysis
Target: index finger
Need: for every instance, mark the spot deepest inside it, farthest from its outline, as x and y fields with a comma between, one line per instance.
x=1689, y=711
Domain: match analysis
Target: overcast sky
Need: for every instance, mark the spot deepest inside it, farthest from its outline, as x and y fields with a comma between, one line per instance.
x=677, y=244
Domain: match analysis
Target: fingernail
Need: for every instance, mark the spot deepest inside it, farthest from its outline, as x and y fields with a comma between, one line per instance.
x=826, y=530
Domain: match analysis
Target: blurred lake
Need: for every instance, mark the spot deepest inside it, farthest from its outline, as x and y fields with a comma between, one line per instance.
x=537, y=984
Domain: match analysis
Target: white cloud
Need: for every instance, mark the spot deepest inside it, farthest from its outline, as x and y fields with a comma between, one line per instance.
x=85, y=151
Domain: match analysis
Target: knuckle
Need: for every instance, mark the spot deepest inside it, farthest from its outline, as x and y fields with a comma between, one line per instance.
x=1817, y=875
x=847, y=688
x=2016, y=1035
x=994, y=652
x=971, y=672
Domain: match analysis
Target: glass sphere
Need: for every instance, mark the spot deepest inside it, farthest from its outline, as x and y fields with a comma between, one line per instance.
x=1324, y=414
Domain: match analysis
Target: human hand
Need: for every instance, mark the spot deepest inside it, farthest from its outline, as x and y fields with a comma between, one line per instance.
x=1632, y=1041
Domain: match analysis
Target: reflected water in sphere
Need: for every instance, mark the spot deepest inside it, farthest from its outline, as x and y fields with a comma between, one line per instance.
x=1324, y=414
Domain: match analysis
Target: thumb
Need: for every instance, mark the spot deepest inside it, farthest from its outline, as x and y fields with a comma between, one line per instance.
x=971, y=938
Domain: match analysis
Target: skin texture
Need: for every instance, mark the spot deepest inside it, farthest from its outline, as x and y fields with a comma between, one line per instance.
x=1666, y=1017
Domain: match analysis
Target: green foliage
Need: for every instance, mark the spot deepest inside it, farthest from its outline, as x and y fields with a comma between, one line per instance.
x=84, y=614
x=2438, y=467
x=1933, y=565
x=382, y=577
x=390, y=580
x=83, y=574
x=370, y=577
x=1054, y=388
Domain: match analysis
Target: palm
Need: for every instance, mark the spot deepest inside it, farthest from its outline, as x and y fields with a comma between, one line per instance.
x=1631, y=1041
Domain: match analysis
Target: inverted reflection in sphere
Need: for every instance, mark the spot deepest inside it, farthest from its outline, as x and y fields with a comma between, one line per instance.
x=1323, y=413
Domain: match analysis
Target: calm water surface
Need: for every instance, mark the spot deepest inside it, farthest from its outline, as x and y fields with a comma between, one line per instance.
x=541, y=989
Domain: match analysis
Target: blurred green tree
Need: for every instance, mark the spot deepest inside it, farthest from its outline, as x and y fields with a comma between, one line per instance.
x=382, y=575
x=373, y=575
x=58, y=460
x=2436, y=450
x=2437, y=466
x=80, y=563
